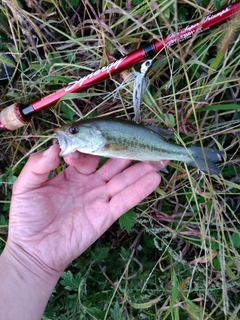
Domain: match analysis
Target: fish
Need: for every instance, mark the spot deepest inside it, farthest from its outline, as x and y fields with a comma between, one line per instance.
x=125, y=139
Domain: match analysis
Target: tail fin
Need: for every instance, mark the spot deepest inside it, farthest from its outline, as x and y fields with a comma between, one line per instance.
x=211, y=155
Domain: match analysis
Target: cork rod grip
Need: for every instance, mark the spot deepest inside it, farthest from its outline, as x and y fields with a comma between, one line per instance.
x=11, y=119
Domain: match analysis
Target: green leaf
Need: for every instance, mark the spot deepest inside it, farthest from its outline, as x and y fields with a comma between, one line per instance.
x=128, y=220
x=125, y=254
x=216, y=263
x=69, y=281
x=3, y=222
x=99, y=254
x=116, y=312
x=217, y=4
x=79, y=95
x=57, y=79
x=95, y=313
x=236, y=239
x=193, y=309
x=67, y=113
x=74, y=3
x=4, y=59
x=225, y=107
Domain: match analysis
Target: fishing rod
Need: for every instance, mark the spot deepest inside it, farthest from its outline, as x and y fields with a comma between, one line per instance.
x=18, y=115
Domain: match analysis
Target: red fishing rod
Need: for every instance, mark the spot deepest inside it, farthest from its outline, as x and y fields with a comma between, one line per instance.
x=18, y=115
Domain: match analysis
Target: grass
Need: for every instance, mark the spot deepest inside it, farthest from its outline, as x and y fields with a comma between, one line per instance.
x=175, y=255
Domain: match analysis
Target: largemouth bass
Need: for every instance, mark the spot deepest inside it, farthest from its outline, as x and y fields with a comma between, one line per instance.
x=115, y=138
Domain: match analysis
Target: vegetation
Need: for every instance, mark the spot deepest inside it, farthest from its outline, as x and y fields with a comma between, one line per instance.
x=177, y=254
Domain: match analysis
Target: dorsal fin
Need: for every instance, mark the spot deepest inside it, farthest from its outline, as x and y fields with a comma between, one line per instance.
x=164, y=133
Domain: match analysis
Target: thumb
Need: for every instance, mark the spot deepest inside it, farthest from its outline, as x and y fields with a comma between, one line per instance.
x=37, y=169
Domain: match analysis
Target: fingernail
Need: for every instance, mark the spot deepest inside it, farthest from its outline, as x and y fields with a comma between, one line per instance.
x=164, y=169
x=163, y=164
x=46, y=152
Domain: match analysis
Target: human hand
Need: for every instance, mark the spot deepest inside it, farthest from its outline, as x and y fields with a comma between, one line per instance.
x=53, y=221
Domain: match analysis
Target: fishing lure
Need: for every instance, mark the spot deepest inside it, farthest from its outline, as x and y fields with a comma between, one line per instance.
x=141, y=83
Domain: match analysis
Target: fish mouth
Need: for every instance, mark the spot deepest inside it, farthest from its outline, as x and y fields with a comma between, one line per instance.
x=65, y=143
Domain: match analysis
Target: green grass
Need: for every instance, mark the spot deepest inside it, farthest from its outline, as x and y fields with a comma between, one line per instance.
x=176, y=255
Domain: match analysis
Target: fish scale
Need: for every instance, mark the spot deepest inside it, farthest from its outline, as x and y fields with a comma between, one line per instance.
x=134, y=139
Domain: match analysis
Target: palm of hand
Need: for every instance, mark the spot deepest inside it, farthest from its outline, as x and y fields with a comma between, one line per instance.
x=52, y=218
x=56, y=220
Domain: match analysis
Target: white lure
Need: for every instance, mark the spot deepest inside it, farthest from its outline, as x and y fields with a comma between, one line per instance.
x=141, y=83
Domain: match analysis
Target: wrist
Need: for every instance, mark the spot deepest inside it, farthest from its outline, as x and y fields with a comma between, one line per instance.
x=28, y=265
x=24, y=290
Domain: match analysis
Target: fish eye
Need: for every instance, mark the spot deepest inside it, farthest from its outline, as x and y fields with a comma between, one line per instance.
x=73, y=130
